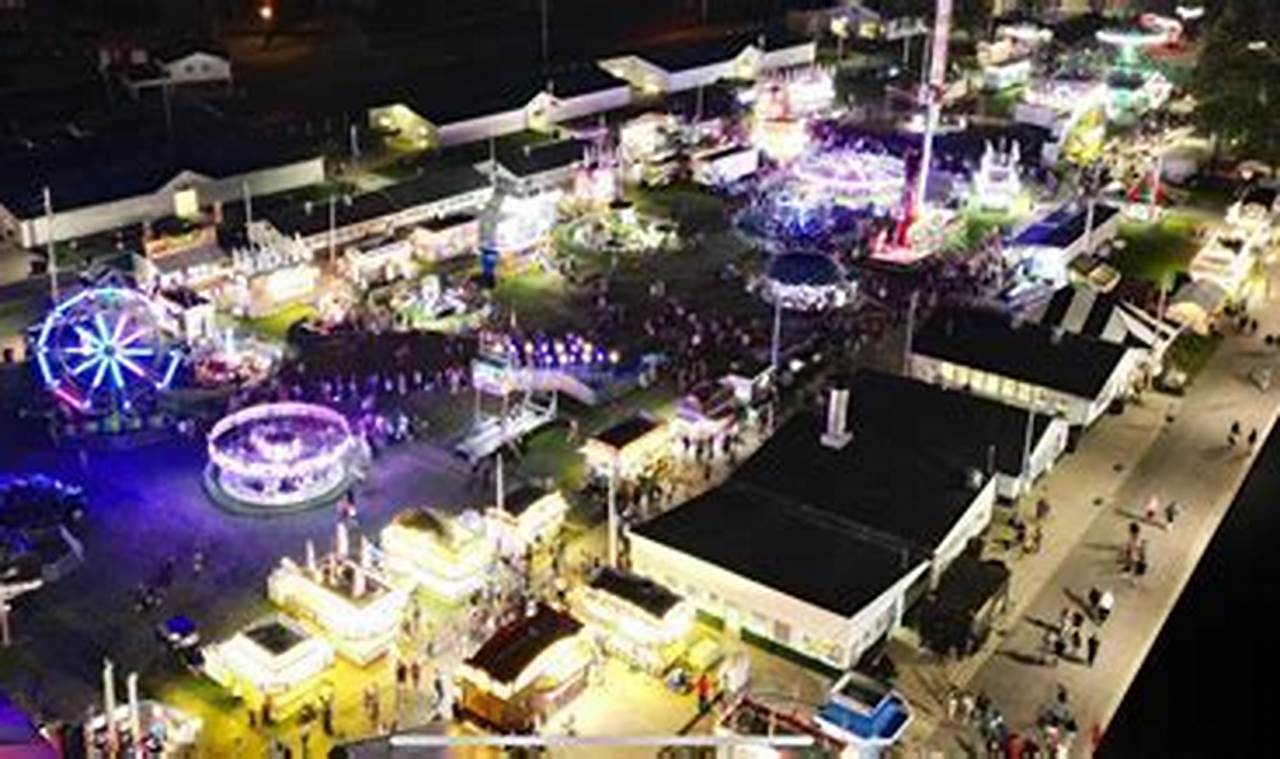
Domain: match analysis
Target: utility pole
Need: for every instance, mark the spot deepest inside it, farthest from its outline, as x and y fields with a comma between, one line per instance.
x=1091, y=180
x=168, y=113
x=50, y=249
x=333, y=224
x=613, y=510
x=775, y=346
x=248, y=207
x=1026, y=442
x=911, y=328
x=546, y=38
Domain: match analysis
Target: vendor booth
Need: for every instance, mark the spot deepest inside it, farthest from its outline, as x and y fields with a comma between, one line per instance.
x=631, y=446
x=450, y=556
x=358, y=611
x=634, y=618
x=864, y=714
x=527, y=517
x=273, y=665
x=525, y=671
x=709, y=410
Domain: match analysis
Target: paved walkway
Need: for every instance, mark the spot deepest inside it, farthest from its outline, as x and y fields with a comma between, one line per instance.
x=1187, y=460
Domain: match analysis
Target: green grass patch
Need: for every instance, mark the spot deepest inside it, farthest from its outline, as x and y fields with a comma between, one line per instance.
x=1190, y=353
x=1157, y=252
x=683, y=201
x=276, y=326
x=537, y=297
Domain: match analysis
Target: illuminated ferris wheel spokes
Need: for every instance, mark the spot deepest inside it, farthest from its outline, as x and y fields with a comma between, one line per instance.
x=109, y=352
x=102, y=349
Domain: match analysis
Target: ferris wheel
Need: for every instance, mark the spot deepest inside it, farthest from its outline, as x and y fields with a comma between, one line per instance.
x=102, y=350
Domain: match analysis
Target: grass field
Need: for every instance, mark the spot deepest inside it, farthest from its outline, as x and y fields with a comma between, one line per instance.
x=1157, y=252
x=276, y=326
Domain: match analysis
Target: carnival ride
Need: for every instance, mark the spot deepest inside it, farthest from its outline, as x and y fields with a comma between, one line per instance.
x=279, y=457
x=233, y=362
x=804, y=281
x=102, y=351
x=620, y=230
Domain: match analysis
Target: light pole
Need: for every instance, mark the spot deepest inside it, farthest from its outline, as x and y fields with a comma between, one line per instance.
x=775, y=345
x=51, y=251
x=546, y=34
x=840, y=28
x=333, y=223
x=1093, y=175
x=267, y=13
x=613, y=510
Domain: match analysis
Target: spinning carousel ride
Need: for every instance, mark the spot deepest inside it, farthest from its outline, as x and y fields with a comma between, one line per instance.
x=279, y=457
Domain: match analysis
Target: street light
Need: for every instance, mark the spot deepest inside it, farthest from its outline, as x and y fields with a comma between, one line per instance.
x=266, y=12
x=1258, y=46
x=840, y=28
x=1190, y=12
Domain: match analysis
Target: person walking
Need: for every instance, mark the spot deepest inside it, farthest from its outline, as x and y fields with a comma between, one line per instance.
x=703, y=687
x=966, y=708
x=1170, y=513
x=1253, y=438
x=1051, y=640
x=1093, y=644
x=1106, y=602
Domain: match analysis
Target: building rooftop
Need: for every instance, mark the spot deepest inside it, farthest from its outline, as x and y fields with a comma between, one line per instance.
x=519, y=500
x=801, y=552
x=179, y=49
x=924, y=416
x=512, y=648
x=131, y=160
x=274, y=636
x=642, y=592
x=443, y=102
x=532, y=160
x=899, y=479
x=185, y=259
x=1036, y=354
x=683, y=56
x=1064, y=226
x=309, y=218
x=1105, y=316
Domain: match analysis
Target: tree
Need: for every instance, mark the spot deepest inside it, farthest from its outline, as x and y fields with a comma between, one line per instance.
x=1237, y=80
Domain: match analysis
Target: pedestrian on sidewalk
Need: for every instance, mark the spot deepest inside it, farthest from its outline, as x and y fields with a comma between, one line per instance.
x=1153, y=505
x=1093, y=647
x=1253, y=438
x=1050, y=648
x=1095, y=601
x=1234, y=434
x=966, y=708
x=1105, y=603
x=1042, y=510
x=953, y=705
x=1170, y=513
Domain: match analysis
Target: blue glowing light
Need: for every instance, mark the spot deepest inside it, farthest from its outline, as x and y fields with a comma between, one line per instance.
x=102, y=346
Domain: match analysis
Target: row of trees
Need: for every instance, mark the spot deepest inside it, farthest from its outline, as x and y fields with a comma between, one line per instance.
x=1237, y=79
